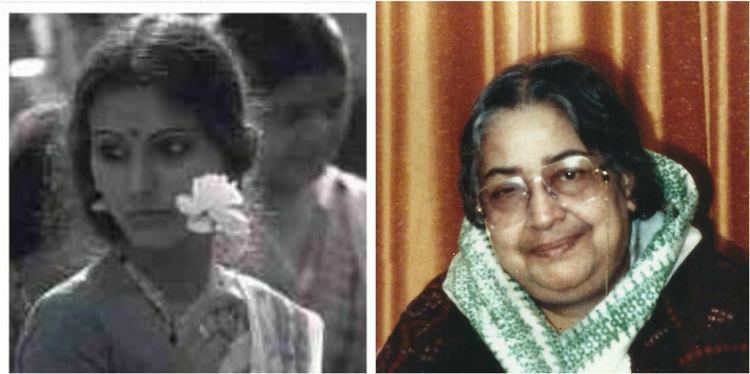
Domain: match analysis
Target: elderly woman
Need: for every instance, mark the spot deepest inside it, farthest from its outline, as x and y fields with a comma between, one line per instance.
x=576, y=253
x=156, y=136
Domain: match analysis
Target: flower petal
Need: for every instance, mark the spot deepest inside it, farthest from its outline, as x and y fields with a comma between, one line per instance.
x=186, y=205
x=210, y=205
x=230, y=221
x=200, y=224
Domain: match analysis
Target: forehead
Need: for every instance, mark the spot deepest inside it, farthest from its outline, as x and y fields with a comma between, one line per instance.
x=140, y=110
x=527, y=137
x=309, y=89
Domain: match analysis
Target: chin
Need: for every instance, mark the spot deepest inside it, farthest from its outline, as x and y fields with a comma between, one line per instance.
x=155, y=240
x=152, y=245
x=293, y=178
x=568, y=291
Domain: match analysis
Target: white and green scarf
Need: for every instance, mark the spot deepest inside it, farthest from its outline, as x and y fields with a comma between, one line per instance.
x=516, y=331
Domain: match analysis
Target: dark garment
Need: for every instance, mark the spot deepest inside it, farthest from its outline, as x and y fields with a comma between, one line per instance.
x=700, y=323
x=31, y=138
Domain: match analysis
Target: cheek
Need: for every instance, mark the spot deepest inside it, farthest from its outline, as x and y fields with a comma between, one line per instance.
x=316, y=131
x=612, y=228
x=276, y=141
x=177, y=179
x=108, y=180
x=506, y=242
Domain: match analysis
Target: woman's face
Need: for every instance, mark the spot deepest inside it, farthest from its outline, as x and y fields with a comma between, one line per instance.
x=561, y=250
x=301, y=130
x=145, y=150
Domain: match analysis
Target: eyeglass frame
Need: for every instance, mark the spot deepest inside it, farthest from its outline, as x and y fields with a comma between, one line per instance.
x=601, y=170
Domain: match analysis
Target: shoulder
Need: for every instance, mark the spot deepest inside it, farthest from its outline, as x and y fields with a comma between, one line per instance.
x=78, y=294
x=263, y=296
x=342, y=198
x=280, y=322
x=433, y=335
x=709, y=293
x=336, y=186
x=712, y=278
x=63, y=332
x=701, y=318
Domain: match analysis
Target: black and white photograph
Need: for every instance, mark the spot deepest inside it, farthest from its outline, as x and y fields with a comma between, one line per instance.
x=187, y=192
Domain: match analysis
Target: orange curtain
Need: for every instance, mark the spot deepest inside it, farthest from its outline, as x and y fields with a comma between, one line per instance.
x=681, y=67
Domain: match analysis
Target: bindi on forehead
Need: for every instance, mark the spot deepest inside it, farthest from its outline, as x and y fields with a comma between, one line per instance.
x=140, y=112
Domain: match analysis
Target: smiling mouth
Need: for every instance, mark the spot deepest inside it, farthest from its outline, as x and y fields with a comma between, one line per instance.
x=556, y=248
x=301, y=158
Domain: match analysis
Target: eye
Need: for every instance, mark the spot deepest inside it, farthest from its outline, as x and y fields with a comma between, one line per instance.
x=290, y=115
x=295, y=113
x=570, y=181
x=570, y=174
x=505, y=191
x=174, y=147
x=111, y=151
x=332, y=106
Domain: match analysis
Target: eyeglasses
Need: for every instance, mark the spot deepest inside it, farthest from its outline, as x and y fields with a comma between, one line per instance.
x=571, y=181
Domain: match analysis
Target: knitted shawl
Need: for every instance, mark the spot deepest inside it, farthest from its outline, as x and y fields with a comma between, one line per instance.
x=515, y=329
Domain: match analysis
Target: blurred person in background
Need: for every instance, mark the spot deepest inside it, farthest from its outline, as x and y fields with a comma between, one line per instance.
x=48, y=240
x=313, y=242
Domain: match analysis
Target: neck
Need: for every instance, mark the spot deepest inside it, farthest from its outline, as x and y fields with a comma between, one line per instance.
x=287, y=205
x=277, y=194
x=181, y=272
x=289, y=219
x=562, y=317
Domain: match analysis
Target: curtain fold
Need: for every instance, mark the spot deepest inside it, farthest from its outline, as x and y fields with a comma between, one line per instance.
x=681, y=67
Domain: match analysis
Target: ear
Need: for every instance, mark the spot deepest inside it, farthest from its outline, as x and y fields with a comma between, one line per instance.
x=99, y=206
x=628, y=186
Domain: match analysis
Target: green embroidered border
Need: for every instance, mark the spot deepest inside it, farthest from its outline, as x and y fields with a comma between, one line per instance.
x=472, y=280
x=482, y=291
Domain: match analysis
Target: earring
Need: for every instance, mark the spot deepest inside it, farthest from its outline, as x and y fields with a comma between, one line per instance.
x=99, y=206
x=479, y=210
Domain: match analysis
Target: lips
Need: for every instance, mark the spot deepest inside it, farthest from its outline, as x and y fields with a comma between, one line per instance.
x=306, y=158
x=556, y=248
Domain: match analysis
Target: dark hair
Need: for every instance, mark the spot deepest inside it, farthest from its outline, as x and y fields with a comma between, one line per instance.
x=275, y=47
x=185, y=62
x=592, y=107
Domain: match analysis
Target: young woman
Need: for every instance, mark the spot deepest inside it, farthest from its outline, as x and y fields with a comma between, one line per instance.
x=158, y=114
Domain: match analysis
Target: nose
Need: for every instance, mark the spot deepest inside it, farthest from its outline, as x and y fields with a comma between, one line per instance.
x=544, y=209
x=141, y=178
x=309, y=129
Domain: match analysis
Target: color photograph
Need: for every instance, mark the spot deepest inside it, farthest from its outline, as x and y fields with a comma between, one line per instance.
x=562, y=187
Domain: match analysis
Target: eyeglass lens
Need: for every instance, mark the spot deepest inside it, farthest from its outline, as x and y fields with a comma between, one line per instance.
x=573, y=180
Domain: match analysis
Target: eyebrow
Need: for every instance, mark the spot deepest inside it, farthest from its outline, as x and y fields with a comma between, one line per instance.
x=106, y=132
x=167, y=132
x=512, y=170
x=563, y=155
x=134, y=133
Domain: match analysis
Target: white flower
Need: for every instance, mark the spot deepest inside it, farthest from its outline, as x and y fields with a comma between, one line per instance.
x=214, y=206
